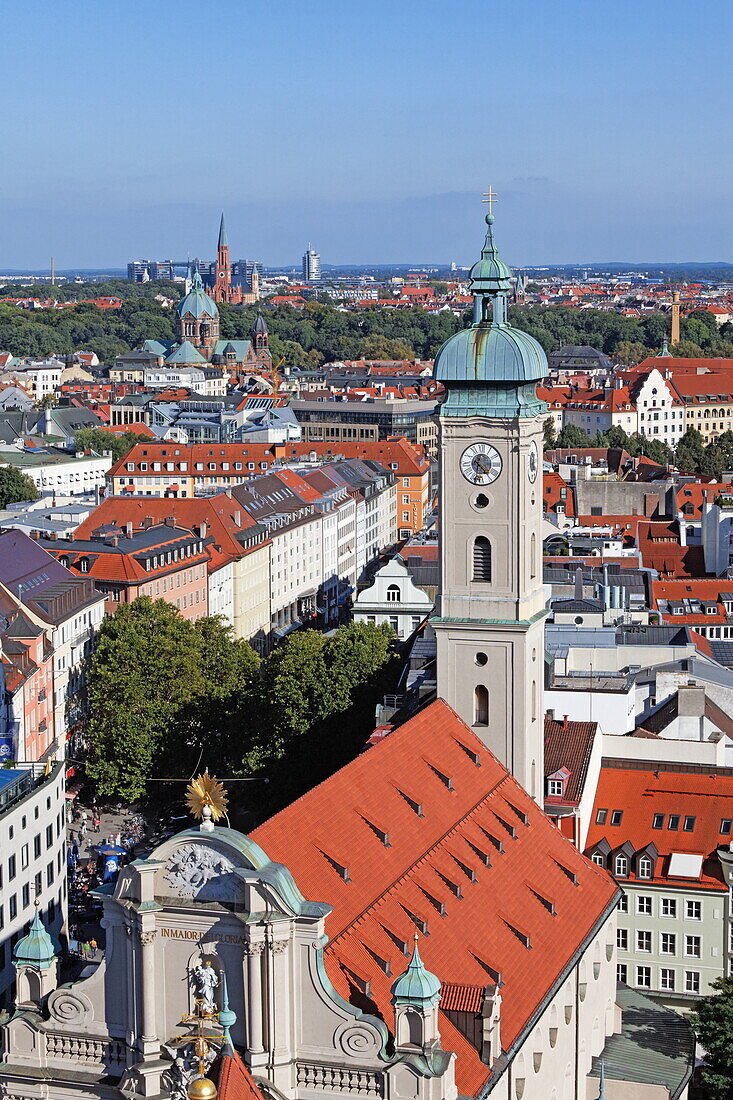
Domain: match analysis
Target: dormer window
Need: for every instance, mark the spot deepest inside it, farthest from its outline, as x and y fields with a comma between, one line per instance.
x=84, y=565
x=555, y=788
x=621, y=867
x=644, y=867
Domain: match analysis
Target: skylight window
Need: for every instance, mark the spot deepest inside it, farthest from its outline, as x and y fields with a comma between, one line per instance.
x=658, y=821
x=674, y=822
x=616, y=817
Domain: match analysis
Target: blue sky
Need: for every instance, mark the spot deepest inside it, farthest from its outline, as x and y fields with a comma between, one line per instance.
x=368, y=128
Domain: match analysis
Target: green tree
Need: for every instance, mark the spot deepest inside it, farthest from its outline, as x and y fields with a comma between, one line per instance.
x=354, y=655
x=713, y=1023
x=381, y=347
x=213, y=728
x=690, y=452
x=572, y=436
x=295, y=693
x=15, y=486
x=49, y=401
x=630, y=352
x=145, y=670
x=99, y=440
x=549, y=435
x=686, y=349
x=658, y=451
x=616, y=437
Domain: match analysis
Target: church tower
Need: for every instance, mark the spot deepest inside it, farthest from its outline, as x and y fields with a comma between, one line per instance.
x=492, y=604
x=223, y=272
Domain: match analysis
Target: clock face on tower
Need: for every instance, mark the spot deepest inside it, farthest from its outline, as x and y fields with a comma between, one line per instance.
x=481, y=464
x=533, y=462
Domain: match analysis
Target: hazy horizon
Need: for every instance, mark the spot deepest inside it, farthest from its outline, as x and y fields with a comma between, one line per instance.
x=370, y=130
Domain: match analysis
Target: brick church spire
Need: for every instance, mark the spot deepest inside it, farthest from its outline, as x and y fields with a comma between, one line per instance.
x=223, y=273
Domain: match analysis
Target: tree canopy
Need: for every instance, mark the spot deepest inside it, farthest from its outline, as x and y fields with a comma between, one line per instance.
x=16, y=486
x=322, y=332
x=167, y=696
x=713, y=1023
x=100, y=440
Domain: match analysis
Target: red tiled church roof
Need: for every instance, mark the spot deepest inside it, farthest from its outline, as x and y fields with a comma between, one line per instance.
x=428, y=829
x=234, y=1080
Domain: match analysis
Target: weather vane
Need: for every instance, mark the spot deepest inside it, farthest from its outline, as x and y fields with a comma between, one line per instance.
x=490, y=197
x=206, y=797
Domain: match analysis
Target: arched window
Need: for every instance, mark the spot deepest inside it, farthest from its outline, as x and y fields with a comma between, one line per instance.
x=410, y=1029
x=644, y=869
x=621, y=867
x=533, y=556
x=481, y=559
x=481, y=706
x=393, y=593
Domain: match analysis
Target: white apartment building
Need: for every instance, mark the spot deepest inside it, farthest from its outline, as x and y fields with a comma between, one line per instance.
x=59, y=474
x=75, y=611
x=40, y=377
x=393, y=598
x=661, y=412
x=32, y=858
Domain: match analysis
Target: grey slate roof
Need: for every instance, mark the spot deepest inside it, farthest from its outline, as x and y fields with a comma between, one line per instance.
x=654, y=1047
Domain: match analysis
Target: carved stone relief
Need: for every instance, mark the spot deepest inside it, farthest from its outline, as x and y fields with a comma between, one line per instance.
x=195, y=871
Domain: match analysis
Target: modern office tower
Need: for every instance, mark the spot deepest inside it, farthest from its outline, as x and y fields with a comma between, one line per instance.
x=311, y=266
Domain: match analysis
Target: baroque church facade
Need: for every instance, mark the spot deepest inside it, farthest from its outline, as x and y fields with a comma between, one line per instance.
x=415, y=927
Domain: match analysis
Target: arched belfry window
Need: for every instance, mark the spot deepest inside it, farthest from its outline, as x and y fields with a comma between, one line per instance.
x=481, y=706
x=481, y=559
x=393, y=593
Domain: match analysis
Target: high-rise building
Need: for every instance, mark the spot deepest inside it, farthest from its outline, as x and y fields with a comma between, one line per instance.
x=490, y=623
x=311, y=266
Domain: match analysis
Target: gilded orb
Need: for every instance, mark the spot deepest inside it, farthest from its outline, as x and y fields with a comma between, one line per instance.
x=201, y=1089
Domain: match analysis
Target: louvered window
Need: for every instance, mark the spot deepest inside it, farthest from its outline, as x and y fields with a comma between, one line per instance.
x=481, y=559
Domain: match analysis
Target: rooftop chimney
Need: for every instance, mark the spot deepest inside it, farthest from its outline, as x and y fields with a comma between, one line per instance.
x=129, y=529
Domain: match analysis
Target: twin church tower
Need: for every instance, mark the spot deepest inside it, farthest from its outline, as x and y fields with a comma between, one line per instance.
x=490, y=617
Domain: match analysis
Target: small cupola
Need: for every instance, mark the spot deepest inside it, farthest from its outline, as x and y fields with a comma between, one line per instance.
x=35, y=964
x=416, y=996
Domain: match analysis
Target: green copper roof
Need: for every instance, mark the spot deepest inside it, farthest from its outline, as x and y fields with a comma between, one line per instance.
x=491, y=368
x=197, y=302
x=417, y=985
x=222, y=233
x=37, y=948
x=185, y=353
x=490, y=274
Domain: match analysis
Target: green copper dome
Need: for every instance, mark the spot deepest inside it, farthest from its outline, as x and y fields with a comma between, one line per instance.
x=197, y=302
x=491, y=368
x=37, y=948
x=490, y=273
x=417, y=986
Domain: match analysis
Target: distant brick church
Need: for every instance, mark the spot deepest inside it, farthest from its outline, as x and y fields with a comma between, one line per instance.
x=222, y=282
x=199, y=340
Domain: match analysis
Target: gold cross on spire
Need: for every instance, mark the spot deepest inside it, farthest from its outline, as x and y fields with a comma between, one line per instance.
x=490, y=197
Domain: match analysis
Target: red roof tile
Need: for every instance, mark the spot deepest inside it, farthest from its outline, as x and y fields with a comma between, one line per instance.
x=639, y=793
x=409, y=824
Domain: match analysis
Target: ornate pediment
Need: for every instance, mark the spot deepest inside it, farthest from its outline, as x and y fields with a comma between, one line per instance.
x=202, y=873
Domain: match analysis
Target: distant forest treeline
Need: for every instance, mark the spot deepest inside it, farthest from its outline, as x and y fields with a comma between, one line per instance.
x=322, y=333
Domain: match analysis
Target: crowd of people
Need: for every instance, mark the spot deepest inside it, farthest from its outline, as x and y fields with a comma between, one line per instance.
x=93, y=859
